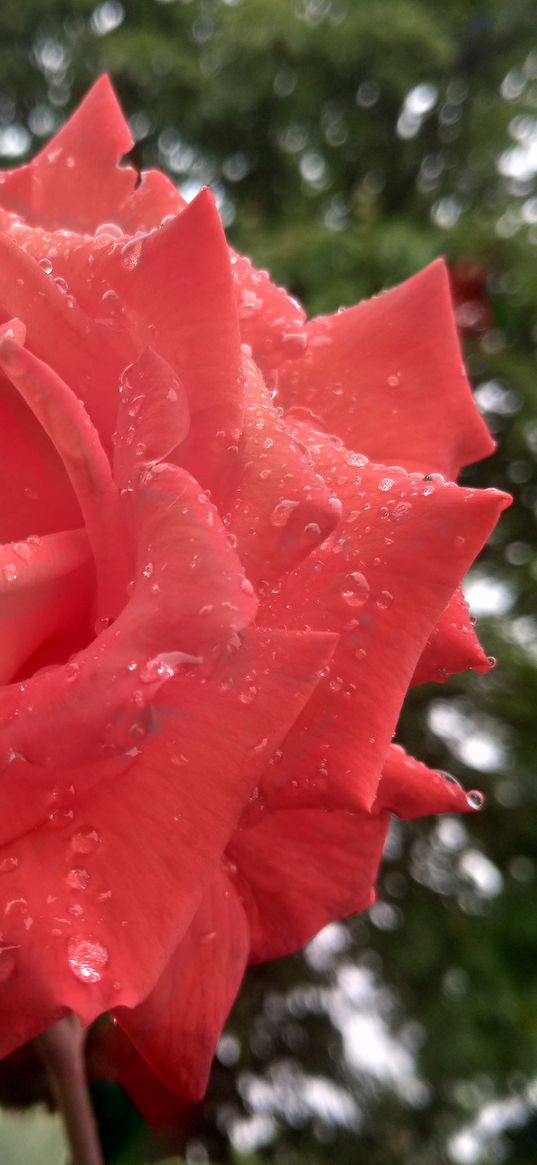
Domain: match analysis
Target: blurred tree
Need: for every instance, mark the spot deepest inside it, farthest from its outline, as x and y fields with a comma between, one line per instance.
x=348, y=144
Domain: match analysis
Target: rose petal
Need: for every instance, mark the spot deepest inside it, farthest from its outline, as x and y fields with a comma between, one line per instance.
x=75, y=181
x=387, y=376
x=184, y=560
x=44, y=502
x=153, y=416
x=288, y=892
x=452, y=647
x=154, y=198
x=178, y=1025
x=279, y=507
x=83, y=352
x=82, y=950
x=411, y=789
x=178, y=290
x=363, y=582
x=271, y=321
x=45, y=585
x=70, y=429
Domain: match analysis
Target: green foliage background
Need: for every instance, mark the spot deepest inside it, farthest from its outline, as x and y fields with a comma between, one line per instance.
x=349, y=142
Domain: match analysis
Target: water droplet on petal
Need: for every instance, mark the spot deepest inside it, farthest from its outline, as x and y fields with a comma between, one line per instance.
x=355, y=590
x=22, y=549
x=9, y=571
x=46, y=265
x=165, y=665
x=101, y=624
x=384, y=600
x=7, y=865
x=475, y=799
x=87, y=958
x=71, y=672
x=282, y=512
x=85, y=840
x=78, y=878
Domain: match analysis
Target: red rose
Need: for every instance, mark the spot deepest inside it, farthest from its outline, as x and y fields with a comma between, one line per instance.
x=211, y=609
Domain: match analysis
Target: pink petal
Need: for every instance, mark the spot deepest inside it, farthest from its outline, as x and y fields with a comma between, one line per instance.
x=185, y=564
x=453, y=646
x=45, y=586
x=154, y=198
x=82, y=352
x=76, y=181
x=279, y=507
x=75, y=833
x=178, y=1025
x=411, y=789
x=43, y=502
x=69, y=428
x=271, y=321
x=382, y=581
x=289, y=891
x=177, y=287
x=387, y=376
x=153, y=416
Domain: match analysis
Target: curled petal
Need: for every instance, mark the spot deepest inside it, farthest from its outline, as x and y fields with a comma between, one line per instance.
x=177, y=287
x=369, y=372
x=71, y=921
x=178, y=1025
x=46, y=585
x=153, y=416
x=279, y=506
x=288, y=893
x=453, y=646
x=363, y=583
x=46, y=503
x=70, y=429
x=76, y=181
x=82, y=351
x=104, y=702
x=410, y=789
x=271, y=321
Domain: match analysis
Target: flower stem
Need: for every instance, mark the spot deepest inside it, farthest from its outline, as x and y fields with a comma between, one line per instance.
x=62, y=1051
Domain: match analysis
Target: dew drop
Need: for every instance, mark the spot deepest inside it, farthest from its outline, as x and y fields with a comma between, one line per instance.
x=87, y=958
x=384, y=600
x=451, y=780
x=475, y=799
x=9, y=571
x=248, y=695
x=59, y=818
x=22, y=549
x=282, y=512
x=101, y=624
x=355, y=589
x=7, y=865
x=72, y=672
x=86, y=840
x=46, y=265
x=78, y=878
x=164, y=666
x=386, y=484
